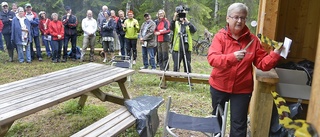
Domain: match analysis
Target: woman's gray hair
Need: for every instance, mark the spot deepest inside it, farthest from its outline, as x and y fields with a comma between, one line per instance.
x=237, y=6
x=20, y=9
x=54, y=14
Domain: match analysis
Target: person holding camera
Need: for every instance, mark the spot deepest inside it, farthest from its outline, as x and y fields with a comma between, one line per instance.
x=182, y=39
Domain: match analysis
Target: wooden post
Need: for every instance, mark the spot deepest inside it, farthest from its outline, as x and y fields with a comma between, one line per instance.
x=313, y=115
x=262, y=102
x=4, y=129
x=82, y=101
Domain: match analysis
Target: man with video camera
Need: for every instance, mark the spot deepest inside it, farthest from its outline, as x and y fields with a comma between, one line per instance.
x=182, y=39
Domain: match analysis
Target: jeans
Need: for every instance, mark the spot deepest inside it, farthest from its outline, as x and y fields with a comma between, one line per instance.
x=47, y=45
x=56, y=49
x=73, y=46
x=36, y=41
x=239, y=104
x=1, y=42
x=122, y=45
x=20, y=53
x=145, y=52
x=132, y=44
x=163, y=55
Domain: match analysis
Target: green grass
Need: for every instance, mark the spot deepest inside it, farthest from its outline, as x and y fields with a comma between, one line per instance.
x=65, y=119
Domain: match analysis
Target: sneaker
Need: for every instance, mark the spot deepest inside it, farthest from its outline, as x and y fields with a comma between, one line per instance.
x=153, y=69
x=104, y=61
x=134, y=62
x=143, y=68
x=40, y=59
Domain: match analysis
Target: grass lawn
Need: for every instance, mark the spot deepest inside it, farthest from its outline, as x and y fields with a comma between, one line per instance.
x=64, y=119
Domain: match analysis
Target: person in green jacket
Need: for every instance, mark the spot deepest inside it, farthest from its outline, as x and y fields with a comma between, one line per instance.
x=131, y=28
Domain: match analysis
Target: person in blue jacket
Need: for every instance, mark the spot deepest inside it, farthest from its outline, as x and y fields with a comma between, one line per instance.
x=21, y=35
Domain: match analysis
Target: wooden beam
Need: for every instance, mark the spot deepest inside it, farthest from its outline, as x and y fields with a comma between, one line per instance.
x=313, y=115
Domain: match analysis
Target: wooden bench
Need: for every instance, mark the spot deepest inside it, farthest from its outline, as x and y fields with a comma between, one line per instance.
x=177, y=76
x=109, y=126
x=24, y=97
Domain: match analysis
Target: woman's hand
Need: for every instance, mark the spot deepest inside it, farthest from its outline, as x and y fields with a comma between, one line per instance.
x=239, y=54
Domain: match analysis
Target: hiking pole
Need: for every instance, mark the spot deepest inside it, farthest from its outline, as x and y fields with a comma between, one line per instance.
x=185, y=59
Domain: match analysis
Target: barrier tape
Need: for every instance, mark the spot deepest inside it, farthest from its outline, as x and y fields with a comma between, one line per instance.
x=299, y=127
x=270, y=42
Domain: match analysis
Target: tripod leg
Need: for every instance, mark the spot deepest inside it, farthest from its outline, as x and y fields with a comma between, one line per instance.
x=185, y=61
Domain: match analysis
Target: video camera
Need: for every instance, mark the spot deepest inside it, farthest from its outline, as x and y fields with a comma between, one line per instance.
x=181, y=10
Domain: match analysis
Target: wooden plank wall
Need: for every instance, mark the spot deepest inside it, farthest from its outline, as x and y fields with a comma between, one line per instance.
x=298, y=20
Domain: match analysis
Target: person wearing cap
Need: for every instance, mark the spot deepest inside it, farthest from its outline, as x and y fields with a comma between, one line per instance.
x=45, y=35
x=107, y=28
x=162, y=32
x=21, y=35
x=131, y=27
x=120, y=32
x=89, y=27
x=147, y=40
x=6, y=16
x=56, y=30
x=70, y=23
x=34, y=21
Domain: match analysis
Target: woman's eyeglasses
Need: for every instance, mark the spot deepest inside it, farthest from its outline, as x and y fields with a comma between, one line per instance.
x=236, y=18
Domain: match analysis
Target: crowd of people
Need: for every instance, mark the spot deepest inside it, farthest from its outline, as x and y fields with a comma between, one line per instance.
x=22, y=28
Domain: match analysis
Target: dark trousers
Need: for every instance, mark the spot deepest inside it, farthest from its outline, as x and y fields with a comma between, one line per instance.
x=163, y=55
x=178, y=57
x=132, y=45
x=36, y=41
x=10, y=46
x=56, y=46
x=122, y=45
x=73, y=46
x=239, y=104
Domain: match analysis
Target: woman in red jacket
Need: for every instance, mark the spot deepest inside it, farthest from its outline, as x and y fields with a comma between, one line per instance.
x=56, y=30
x=45, y=35
x=232, y=74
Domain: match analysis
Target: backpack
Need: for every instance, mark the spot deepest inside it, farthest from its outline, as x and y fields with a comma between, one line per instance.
x=78, y=53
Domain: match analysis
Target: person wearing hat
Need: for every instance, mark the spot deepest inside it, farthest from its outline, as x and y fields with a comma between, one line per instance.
x=107, y=28
x=45, y=35
x=131, y=27
x=6, y=17
x=34, y=21
x=89, y=27
x=21, y=35
x=70, y=23
x=147, y=38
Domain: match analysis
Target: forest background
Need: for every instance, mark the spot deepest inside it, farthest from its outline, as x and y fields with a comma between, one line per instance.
x=204, y=14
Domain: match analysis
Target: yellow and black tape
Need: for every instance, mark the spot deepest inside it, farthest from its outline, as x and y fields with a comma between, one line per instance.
x=300, y=127
x=270, y=42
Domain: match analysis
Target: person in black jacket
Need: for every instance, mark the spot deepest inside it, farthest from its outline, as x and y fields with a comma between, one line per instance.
x=6, y=16
x=107, y=27
x=70, y=23
x=121, y=33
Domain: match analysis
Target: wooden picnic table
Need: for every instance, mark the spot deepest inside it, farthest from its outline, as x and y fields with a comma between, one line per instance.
x=24, y=97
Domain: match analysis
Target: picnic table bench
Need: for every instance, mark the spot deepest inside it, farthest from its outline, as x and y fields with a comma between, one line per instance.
x=24, y=97
x=177, y=76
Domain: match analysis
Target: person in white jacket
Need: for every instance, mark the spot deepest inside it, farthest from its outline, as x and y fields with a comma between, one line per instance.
x=89, y=27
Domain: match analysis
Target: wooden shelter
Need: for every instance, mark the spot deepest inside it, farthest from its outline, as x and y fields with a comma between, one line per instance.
x=298, y=20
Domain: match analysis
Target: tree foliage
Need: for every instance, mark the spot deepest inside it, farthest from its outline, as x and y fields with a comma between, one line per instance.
x=201, y=11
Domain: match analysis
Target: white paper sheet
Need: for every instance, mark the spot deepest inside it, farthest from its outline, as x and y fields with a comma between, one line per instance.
x=286, y=47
